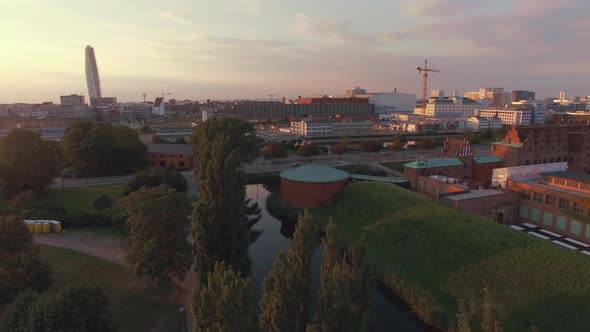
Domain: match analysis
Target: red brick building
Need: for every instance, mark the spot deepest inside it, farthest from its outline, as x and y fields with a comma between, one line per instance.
x=311, y=185
x=558, y=201
x=458, y=162
x=179, y=156
x=532, y=145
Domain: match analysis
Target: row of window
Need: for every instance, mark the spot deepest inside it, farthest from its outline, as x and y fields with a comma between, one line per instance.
x=561, y=222
x=562, y=203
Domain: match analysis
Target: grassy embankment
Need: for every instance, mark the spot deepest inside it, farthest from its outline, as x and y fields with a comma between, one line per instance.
x=135, y=304
x=431, y=256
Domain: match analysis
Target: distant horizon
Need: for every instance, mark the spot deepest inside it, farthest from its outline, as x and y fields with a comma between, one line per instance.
x=292, y=48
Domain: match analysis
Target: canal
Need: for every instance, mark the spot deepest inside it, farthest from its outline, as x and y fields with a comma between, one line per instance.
x=390, y=315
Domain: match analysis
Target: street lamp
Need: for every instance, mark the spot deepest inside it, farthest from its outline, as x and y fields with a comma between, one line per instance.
x=182, y=320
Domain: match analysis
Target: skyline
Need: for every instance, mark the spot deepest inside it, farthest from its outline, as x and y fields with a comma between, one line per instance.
x=253, y=48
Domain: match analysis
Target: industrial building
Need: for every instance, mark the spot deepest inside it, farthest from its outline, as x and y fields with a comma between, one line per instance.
x=513, y=116
x=72, y=101
x=311, y=128
x=390, y=102
x=134, y=112
x=263, y=111
x=311, y=186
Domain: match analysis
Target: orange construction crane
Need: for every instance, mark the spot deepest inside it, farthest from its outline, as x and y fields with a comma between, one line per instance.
x=424, y=71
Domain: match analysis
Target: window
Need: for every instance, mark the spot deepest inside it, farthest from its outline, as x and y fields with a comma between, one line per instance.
x=525, y=195
x=578, y=207
x=559, y=181
x=572, y=184
x=550, y=200
x=585, y=186
x=564, y=204
x=537, y=197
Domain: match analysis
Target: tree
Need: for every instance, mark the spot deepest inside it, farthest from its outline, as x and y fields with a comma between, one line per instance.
x=370, y=146
x=339, y=149
x=157, y=139
x=146, y=129
x=470, y=314
x=180, y=140
x=219, y=224
x=154, y=178
x=500, y=133
x=224, y=303
x=424, y=144
x=252, y=215
x=307, y=151
x=158, y=223
x=20, y=265
x=27, y=162
x=396, y=146
x=96, y=149
x=75, y=308
x=346, y=287
x=285, y=290
x=102, y=203
x=274, y=150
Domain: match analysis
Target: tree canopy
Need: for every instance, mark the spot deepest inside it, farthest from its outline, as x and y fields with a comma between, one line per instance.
x=157, y=243
x=27, y=162
x=240, y=137
x=274, y=150
x=340, y=148
x=75, y=308
x=20, y=265
x=96, y=149
x=308, y=150
x=154, y=178
x=370, y=146
x=224, y=303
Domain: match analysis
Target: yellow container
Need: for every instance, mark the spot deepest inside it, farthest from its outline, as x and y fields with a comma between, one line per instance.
x=58, y=228
x=38, y=228
x=46, y=227
x=31, y=227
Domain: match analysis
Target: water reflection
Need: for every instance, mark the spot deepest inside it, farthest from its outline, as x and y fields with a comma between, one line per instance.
x=275, y=237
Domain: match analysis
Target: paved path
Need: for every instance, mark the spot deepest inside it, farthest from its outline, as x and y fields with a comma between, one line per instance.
x=557, y=239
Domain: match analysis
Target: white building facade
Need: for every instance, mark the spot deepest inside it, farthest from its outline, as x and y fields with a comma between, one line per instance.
x=466, y=107
x=391, y=102
x=479, y=123
x=135, y=112
x=510, y=117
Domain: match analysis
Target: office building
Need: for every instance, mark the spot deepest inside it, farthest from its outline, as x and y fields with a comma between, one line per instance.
x=103, y=101
x=92, y=78
x=134, y=112
x=391, y=102
x=72, y=101
x=480, y=123
x=519, y=95
x=497, y=96
x=159, y=107
x=437, y=94
x=263, y=111
x=519, y=116
x=173, y=133
x=533, y=145
x=311, y=128
x=463, y=107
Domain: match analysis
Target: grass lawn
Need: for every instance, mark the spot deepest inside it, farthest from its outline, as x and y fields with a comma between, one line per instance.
x=136, y=305
x=449, y=254
x=80, y=199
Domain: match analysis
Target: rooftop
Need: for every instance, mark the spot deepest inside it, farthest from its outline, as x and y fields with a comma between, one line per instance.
x=475, y=194
x=569, y=176
x=559, y=189
x=184, y=149
x=487, y=159
x=315, y=174
x=388, y=179
x=435, y=162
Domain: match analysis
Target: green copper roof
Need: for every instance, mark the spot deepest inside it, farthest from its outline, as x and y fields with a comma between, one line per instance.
x=509, y=144
x=435, y=162
x=388, y=179
x=314, y=173
x=486, y=159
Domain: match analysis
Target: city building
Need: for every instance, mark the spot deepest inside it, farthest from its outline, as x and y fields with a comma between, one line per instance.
x=520, y=95
x=311, y=128
x=134, y=112
x=455, y=105
x=173, y=133
x=179, y=156
x=92, y=78
x=159, y=107
x=103, y=101
x=311, y=186
x=72, y=101
x=263, y=111
x=497, y=96
x=518, y=116
x=457, y=161
x=557, y=201
x=332, y=100
x=588, y=104
x=533, y=145
x=569, y=117
x=391, y=102
x=479, y=123
x=437, y=94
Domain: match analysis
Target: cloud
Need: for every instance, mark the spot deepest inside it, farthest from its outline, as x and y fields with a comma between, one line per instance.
x=174, y=18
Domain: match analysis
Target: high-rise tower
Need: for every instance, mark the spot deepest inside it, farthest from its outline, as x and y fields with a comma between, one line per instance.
x=92, y=79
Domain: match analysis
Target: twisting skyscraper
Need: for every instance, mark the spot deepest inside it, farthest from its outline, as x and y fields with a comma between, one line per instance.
x=92, y=79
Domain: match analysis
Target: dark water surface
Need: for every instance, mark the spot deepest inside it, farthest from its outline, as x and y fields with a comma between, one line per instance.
x=390, y=315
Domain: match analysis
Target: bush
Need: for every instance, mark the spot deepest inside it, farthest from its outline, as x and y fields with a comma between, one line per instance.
x=102, y=203
x=21, y=201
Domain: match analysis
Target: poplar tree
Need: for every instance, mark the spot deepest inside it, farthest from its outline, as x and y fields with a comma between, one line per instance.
x=224, y=303
x=286, y=292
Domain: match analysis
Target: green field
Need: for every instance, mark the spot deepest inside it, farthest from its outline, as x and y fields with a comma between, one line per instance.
x=445, y=254
x=135, y=304
x=80, y=199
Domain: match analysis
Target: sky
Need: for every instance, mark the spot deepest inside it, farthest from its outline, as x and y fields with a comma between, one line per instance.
x=198, y=49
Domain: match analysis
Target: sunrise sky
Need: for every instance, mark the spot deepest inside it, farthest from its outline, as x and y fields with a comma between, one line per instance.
x=199, y=49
